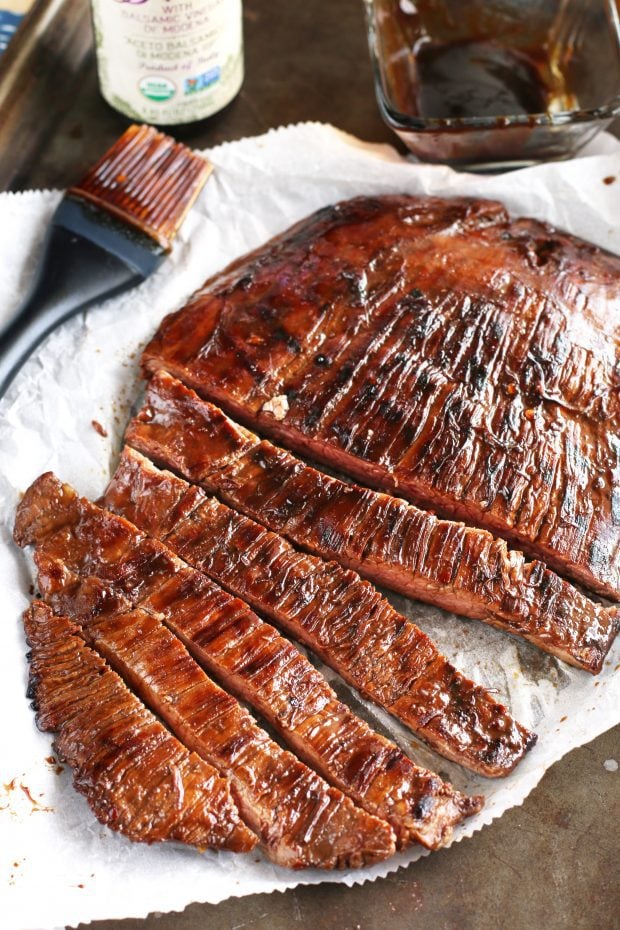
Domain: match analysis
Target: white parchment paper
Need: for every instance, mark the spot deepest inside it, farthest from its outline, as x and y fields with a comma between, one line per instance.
x=57, y=864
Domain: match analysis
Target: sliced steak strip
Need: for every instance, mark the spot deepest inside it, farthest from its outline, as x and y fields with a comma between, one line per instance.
x=332, y=611
x=137, y=778
x=249, y=655
x=270, y=673
x=437, y=349
x=387, y=540
x=301, y=821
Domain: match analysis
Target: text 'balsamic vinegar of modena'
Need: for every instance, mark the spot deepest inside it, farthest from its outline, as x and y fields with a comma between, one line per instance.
x=168, y=62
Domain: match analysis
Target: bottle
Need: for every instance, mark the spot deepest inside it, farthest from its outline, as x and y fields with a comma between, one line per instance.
x=168, y=62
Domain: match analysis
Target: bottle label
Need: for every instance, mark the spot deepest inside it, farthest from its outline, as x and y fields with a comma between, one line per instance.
x=168, y=61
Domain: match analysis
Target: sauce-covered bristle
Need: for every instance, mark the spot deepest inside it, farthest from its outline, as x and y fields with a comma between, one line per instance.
x=148, y=180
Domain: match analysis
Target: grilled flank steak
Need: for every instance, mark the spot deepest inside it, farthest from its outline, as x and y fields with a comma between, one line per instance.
x=333, y=612
x=232, y=643
x=137, y=778
x=434, y=348
x=391, y=542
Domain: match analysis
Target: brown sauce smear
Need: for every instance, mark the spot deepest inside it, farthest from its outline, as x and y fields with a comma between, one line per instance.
x=96, y=425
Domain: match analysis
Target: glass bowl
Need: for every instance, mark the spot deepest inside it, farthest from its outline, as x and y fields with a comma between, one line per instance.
x=495, y=84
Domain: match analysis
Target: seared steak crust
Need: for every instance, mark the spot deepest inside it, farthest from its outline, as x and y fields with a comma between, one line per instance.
x=434, y=348
x=138, y=779
x=332, y=611
x=391, y=542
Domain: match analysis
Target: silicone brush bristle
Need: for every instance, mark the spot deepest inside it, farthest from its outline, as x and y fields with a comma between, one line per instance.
x=148, y=180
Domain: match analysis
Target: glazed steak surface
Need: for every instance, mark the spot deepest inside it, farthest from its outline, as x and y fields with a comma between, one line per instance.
x=437, y=348
x=300, y=821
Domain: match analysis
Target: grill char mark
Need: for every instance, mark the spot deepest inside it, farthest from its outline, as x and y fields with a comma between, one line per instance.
x=388, y=540
x=509, y=359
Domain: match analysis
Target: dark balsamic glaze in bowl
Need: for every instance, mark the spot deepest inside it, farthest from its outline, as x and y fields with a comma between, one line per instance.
x=459, y=80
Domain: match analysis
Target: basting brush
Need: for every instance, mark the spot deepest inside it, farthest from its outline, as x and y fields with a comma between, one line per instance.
x=110, y=232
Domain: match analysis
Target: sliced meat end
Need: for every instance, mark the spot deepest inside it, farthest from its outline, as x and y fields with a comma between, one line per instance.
x=470, y=726
x=47, y=506
x=123, y=565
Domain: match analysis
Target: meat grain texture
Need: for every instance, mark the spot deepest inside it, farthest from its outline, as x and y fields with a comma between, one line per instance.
x=301, y=821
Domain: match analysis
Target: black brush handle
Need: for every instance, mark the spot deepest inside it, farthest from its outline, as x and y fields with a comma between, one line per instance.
x=74, y=273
